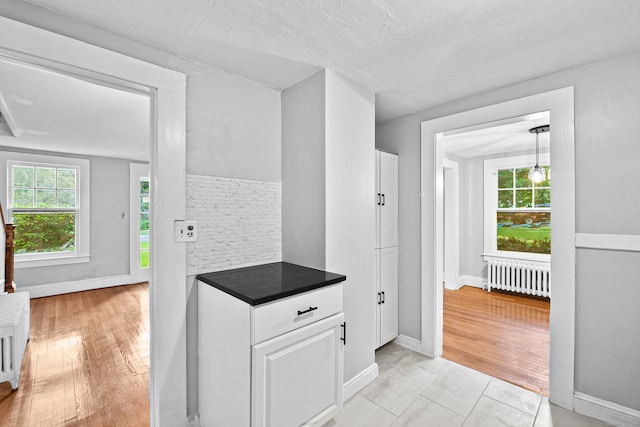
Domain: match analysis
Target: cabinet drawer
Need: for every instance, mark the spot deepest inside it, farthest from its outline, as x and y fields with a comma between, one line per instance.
x=279, y=317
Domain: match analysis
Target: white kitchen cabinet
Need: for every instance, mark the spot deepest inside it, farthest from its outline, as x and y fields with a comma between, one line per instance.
x=386, y=264
x=386, y=247
x=275, y=364
x=297, y=377
x=386, y=199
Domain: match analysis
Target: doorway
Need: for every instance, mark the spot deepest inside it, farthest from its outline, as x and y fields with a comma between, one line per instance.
x=166, y=90
x=503, y=335
x=559, y=103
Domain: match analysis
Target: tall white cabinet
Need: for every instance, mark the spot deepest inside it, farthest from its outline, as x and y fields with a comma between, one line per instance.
x=386, y=247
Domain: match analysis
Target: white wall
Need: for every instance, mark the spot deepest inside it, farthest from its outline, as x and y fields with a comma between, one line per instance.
x=350, y=180
x=606, y=136
x=328, y=186
x=303, y=172
x=233, y=127
x=472, y=218
x=233, y=130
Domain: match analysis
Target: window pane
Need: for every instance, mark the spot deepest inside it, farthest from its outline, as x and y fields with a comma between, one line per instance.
x=66, y=178
x=523, y=199
x=547, y=181
x=67, y=198
x=45, y=198
x=505, y=178
x=45, y=177
x=524, y=232
x=144, y=221
x=44, y=232
x=22, y=198
x=543, y=198
x=505, y=199
x=23, y=176
x=144, y=185
x=522, y=178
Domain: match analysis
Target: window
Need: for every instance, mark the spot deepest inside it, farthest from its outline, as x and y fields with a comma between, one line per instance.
x=517, y=211
x=523, y=216
x=48, y=200
x=144, y=222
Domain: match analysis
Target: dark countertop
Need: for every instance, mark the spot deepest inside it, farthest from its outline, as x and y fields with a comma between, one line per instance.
x=268, y=282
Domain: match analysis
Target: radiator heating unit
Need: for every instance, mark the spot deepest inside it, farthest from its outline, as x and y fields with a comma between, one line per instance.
x=14, y=334
x=522, y=276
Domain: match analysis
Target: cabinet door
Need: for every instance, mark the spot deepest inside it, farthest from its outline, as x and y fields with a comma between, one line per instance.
x=378, y=200
x=378, y=302
x=297, y=377
x=389, y=289
x=389, y=205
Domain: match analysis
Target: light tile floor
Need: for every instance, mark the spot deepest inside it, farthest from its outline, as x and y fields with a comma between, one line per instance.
x=413, y=390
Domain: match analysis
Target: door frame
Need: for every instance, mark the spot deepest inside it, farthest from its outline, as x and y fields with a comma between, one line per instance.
x=136, y=171
x=167, y=92
x=561, y=107
x=451, y=203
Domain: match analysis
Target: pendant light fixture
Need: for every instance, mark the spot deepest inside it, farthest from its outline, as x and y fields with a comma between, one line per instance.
x=536, y=173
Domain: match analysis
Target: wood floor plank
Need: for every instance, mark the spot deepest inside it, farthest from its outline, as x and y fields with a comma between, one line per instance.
x=503, y=335
x=87, y=362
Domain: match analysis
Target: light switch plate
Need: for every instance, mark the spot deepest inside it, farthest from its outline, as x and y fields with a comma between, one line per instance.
x=186, y=231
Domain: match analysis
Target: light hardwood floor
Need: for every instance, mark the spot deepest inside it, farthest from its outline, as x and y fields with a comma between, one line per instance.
x=87, y=362
x=501, y=334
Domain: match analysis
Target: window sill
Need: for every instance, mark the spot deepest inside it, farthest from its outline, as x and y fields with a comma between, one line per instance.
x=45, y=262
x=518, y=256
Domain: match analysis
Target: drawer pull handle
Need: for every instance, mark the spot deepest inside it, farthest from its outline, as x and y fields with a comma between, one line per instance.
x=310, y=309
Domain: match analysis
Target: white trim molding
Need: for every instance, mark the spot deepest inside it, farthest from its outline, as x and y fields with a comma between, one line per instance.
x=59, y=288
x=613, y=242
x=605, y=411
x=408, y=342
x=360, y=381
x=166, y=90
x=560, y=105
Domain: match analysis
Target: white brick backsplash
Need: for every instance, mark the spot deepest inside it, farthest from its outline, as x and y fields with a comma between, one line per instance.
x=239, y=222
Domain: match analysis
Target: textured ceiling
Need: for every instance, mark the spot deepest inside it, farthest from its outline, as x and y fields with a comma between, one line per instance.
x=413, y=54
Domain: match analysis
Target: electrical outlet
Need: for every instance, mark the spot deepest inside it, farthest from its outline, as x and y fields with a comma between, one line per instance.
x=186, y=231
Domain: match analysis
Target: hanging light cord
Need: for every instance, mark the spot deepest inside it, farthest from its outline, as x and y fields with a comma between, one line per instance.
x=537, y=149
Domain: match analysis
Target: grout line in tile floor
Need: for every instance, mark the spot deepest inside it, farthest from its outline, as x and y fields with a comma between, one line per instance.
x=496, y=403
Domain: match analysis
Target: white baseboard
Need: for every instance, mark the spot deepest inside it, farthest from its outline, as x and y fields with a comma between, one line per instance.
x=605, y=411
x=475, y=281
x=408, y=342
x=59, y=288
x=360, y=381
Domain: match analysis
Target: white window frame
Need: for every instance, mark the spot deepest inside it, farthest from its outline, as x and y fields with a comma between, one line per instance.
x=491, y=167
x=82, y=248
x=136, y=172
